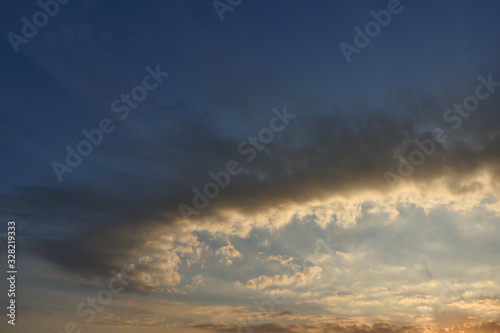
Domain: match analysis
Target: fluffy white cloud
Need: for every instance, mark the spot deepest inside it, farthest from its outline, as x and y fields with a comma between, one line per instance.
x=227, y=253
x=301, y=278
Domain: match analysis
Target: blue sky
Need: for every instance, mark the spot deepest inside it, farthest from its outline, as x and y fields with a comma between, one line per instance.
x=421, y=254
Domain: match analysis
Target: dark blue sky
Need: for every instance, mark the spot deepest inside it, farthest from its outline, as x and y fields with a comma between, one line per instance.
x=64, y=79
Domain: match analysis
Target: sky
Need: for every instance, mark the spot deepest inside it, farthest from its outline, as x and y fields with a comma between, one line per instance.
x=250, y=166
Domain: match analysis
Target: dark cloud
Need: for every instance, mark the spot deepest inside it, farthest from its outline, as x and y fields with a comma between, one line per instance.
x=381, y=327
x=324, y=327
x=141, y=180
